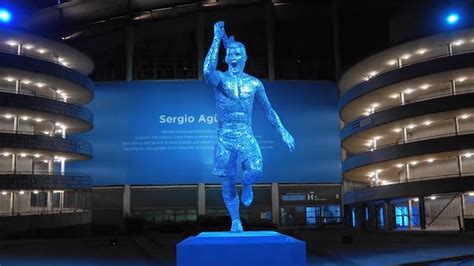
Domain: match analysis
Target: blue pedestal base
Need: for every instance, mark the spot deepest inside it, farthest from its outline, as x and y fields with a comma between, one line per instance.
x=253, y=248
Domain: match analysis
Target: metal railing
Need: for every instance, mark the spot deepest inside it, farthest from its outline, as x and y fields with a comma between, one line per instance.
x=414, y=100
x=40, y=95
x=383, y=70
x=368, y=150
x=19, y=132
x=49, y=57
x=418, y=179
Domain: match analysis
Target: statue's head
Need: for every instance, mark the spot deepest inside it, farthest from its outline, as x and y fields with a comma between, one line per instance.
x=236, y=56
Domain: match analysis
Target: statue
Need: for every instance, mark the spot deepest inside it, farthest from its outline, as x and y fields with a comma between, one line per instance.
x=234, y=93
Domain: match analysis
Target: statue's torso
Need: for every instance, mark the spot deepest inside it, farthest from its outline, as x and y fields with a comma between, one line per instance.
x=234, y=101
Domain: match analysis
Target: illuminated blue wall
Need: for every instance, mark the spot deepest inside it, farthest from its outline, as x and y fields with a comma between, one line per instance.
x=150, y=132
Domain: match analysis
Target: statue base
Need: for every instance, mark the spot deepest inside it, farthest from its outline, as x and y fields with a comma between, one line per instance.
x=250, y=248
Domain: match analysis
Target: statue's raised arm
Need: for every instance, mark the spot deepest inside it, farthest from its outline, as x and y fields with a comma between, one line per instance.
x=211, y=75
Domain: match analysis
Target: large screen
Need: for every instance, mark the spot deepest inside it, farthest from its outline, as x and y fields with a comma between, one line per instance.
x=164, y=132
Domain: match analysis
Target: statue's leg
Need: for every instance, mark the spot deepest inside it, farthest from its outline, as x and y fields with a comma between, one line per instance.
x=252, y=173
x=231, y=199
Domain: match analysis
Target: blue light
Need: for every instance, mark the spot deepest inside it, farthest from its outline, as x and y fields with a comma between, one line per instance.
x=5, y=16
x=452, y=18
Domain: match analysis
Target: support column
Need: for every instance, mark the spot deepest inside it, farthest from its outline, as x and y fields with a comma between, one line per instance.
x=18, y=86
x=453, y=86
x=126, y=200
x=49, y=204
x=61, y=201
x=63, y=134
x=200, y=44
x=463, y=209
x=12, y=202
x=407, y=172
x=449, y=47
x=13, y=163
x=16, y=122
x=270, y=29
x=399, y=62
x=63, y=166
x=19, y=50
x=421, y=201
x=275, y=204
x=459, y=164
x=405, y=135
x=129, y=51
x=51, y=166
x=201, y=208
x=410, y=219
x=456, y=125
x=402, y=98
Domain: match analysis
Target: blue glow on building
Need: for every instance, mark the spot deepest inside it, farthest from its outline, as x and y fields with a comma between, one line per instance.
x=5, y=15
x=452, y=18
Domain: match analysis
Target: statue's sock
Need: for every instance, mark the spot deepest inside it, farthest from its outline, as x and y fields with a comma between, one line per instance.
x=236, y=227
x=247, y=194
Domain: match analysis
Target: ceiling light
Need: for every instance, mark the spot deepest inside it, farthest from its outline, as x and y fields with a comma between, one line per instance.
x=399, y=165
x=60, y=59
x=25, y=118
x=45, y=161
x=35, y=191
x=28, y=46
x=22, y=154
x=467, y=155
x=458, y=42
x=372, y=73
x=433, y=197
x=37, y=155
x=414, y=162
x=430, y=160
x=394, y=96
x=471, y=194
x=22, y=192
x=375, y=105
x=39, y=85
x=4, y=193
x=424, y=86
x=421, y=51
x=406, y=56
x=370, y=174
x=392, y=62
x=46, y=132
x=427, y=123
x=408, y=91
x=38, y=119
x=12, y=42
x=416, y=199
x=461, y=79
x=397, y=130
x=9, y=79
x=377, y=137
x=41, y=51
x=464, y=116
x=5, y=154
x=8, y=116
x=26, y=81
x=411, y=126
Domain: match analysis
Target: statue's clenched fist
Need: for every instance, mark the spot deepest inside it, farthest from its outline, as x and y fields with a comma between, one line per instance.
x=219, y=29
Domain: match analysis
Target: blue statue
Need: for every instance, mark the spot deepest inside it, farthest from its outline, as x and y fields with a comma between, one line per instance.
x=235, y=92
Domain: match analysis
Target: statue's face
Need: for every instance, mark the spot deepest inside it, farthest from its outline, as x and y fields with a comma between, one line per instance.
x=236, y=59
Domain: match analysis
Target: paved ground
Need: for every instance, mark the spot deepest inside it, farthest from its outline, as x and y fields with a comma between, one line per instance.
x=324, y=248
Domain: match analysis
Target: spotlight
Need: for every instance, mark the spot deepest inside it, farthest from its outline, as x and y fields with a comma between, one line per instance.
x=5, y=16
x=452, y=18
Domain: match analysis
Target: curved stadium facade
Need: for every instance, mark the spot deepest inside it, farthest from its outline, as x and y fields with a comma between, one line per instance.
x=407, y=125
x=43, y=85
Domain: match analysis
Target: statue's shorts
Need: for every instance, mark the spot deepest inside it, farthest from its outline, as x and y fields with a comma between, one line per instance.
x=229, y=151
